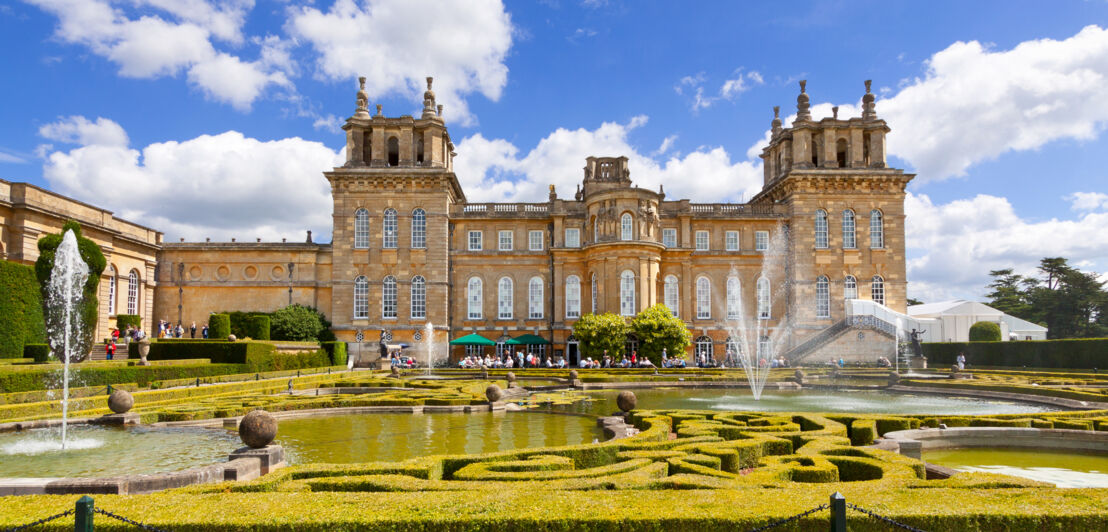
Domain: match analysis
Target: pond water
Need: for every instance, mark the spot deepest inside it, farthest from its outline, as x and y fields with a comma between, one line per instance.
x=96, y=451
x=1065, y=469
x=392, y=437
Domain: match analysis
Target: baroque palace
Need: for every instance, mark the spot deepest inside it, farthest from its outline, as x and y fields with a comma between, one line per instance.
x=408, y=249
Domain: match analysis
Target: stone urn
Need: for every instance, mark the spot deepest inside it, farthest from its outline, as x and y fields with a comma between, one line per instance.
x=395, y=372
x=258, y=428
x=626, y=400
x=144, y=350
x=894, y=378
x=120, y=401
x=798, y=377
x=494, y=393
x=572, y=374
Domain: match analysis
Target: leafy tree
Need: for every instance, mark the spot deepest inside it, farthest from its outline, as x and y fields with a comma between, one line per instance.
x=984, y=331
x=297, y=322
x=913, y=302
x=1068, y=302
x=601, y=332
x=88, y=306
x=658, y=328
x=1008, y=294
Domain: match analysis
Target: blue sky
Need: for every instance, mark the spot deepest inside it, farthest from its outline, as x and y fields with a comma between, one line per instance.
x=215, y=119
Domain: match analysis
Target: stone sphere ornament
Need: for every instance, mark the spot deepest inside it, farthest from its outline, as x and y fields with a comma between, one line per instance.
x=626, y=400
x=798, y=375
x=511, y=376
x=258, y=428
x=494, y=393
x=120, y=401
x=231, y=338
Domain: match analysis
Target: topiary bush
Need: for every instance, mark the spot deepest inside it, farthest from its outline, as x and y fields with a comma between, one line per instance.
x=39, y=352
x=89, y=305
x=219, y=326
x=657, y=328
x=296, y=322
x=258, y=327
x=336, y=351
x=984, y=331
x=21, y=317
x=601, y=332
x=122, y=321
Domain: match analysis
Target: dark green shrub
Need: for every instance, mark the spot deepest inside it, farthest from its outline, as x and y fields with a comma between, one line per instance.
x=219, y=326
x=122, y=321
x=657, y=328
x=39, y=352
x=218, y=352
x=1084, y=353
x=601, y=332
x=984, y=331
x=336, y=351
x=258, y=327
x=89, y=305
x=296, y=322
x=21, y=317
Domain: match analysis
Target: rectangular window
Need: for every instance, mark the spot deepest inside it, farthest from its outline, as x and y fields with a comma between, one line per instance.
x=761, y=240
x=702, y=241
x=505, y=241
x=669, y=238
x=534, y=301
x=573, y=238
x=534, y=240
x=475, y=240
x=732, y=241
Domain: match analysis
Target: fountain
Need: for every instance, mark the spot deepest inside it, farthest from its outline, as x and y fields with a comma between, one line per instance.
x=755, y=343
x=429, y=345
x=63, y=296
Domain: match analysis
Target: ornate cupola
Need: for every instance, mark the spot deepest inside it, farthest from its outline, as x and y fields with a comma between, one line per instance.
x=397, y=142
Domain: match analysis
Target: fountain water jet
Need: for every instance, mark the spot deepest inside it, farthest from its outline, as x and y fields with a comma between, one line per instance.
x=429, y=345
x=64, y=293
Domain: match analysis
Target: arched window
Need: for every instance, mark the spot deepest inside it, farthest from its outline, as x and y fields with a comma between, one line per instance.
x=361, y=229
x=627, y=293
x=419, y=228
x=823, y=297
x=763, y=349
x=132, y=292
x=573, y=297
x=876, y=229
x=625, y=226
x=764, y=301
x=361, y=297
x=394, y=151
x=704, y=347
x=821, y=229
x=840, y=152
x=534, y=298
x=388, y=297
x=504, y=299
x=849, y=241
x=595, y=302
x=419, y=297
x=877, y=290
x=703, y=298
x=850, y=287
x=473, y=297
x=389, y=229
x=671, y=293
x=733, y=295
x=111, y=290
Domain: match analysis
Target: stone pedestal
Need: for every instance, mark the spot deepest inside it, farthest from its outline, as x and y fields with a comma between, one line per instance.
x=269, y=457
x=128, y=418
x=917, y=362
x=577, y=383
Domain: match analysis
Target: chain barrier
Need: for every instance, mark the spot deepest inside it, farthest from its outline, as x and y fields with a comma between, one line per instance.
x=128, y=521
x=39, y=522
x=884, y=519
x=788, y=520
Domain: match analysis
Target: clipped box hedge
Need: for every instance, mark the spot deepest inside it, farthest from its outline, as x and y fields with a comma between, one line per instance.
x=1085, y=353
x=46, y=377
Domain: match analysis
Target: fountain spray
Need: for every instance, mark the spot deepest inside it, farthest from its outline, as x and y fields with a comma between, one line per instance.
x=64, y=292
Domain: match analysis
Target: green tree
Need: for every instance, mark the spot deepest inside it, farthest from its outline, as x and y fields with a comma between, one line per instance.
x=297, y=323
x=21, y=320
x=657, y=328
x=913, y=301
x=89, y=304
x=1009, y=294
x=601, y=332
x=984, y=331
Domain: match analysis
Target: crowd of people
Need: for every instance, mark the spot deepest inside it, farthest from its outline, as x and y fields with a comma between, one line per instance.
x=168, y=330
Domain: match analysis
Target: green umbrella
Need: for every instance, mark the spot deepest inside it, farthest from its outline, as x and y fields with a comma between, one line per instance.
x=472, y=339
x=528, y=339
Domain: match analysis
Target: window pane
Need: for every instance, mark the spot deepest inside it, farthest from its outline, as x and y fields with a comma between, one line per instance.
x=361, y=229
x=390, y=230
x=627, y=293
x=419, y=298
x=505, y=299
x=573, y=238
x=850, y=287
x=475, y=240
x=876, y=230
x=132, y=293
x=419, y=229
x=534, y=240
x=702, y=241
x=703, y=299
x=594, y=294
x=388, y=297
x=669, y=238
x=732, y=241
x=849, y=241
x=573, y=297
x=534, y=299
x=111, y=291
x=878, y=290
x=733, y=294
x=821, y=228
x=671, y=295
x=474, y=298
x=361, y=297
x=625, y=227
x=761, y=240
x=823, y=298
x=764, y=301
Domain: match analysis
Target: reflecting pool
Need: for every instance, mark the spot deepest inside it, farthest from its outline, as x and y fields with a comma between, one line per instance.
x=96, y=451
x=357, y=438
x=1065, y=469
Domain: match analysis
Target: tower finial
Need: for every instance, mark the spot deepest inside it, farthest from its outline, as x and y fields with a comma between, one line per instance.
x=429, y=100
x=869, y=109
x=776, y=124
x=802, y=106
x=835, y=112
x=362, y=99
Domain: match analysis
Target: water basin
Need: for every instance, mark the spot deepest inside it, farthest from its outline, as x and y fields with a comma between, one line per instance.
x=1065, y=469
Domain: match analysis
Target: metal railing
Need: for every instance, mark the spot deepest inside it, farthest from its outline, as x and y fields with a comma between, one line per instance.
x=837, y=516
x=83, y=514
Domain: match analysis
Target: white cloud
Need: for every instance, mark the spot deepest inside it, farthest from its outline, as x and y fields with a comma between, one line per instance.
x=954, y=245
x=178, y=37
x=497, y=170
x=1088, y=201
x=461, y=44
x=729, y=90
x=11, y=158
x=667, y=143
x=218, y=186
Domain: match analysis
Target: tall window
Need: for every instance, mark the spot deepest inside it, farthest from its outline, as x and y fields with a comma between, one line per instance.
x=534, y=298
x=876, y=229
x=733, y=295
x=877, y=290
x=823, y=297
x=850, y=287
x=111, y=290
x=731, y=241
x=573, y=238
x=390, y=229
x=764, y=301
x=702, y=241
x=849, y=241
x=504, y=299
x=761, y=240
x=473, y=296
x=625, y=227
x=595, y=230
x=419, y=228
x=388, y=297
x=704, y=347
x=534, y=240
x=505, y=241
x=573, y=297
x=627, y=293
x=703, y=298
x=821, y=229
x=475, y=241
x=671, y=294
x=669, y=237
x=419, y=297
x=361, y=229
x=595, y=303
x=361, y=297
x=132, y=292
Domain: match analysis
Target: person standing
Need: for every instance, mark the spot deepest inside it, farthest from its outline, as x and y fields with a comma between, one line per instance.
x=192, y=330
x=110, y=349
x=204, y=331
x=961, y=361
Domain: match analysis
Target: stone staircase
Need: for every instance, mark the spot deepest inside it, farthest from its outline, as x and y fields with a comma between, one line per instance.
x=98, y=352
x=844, y=326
